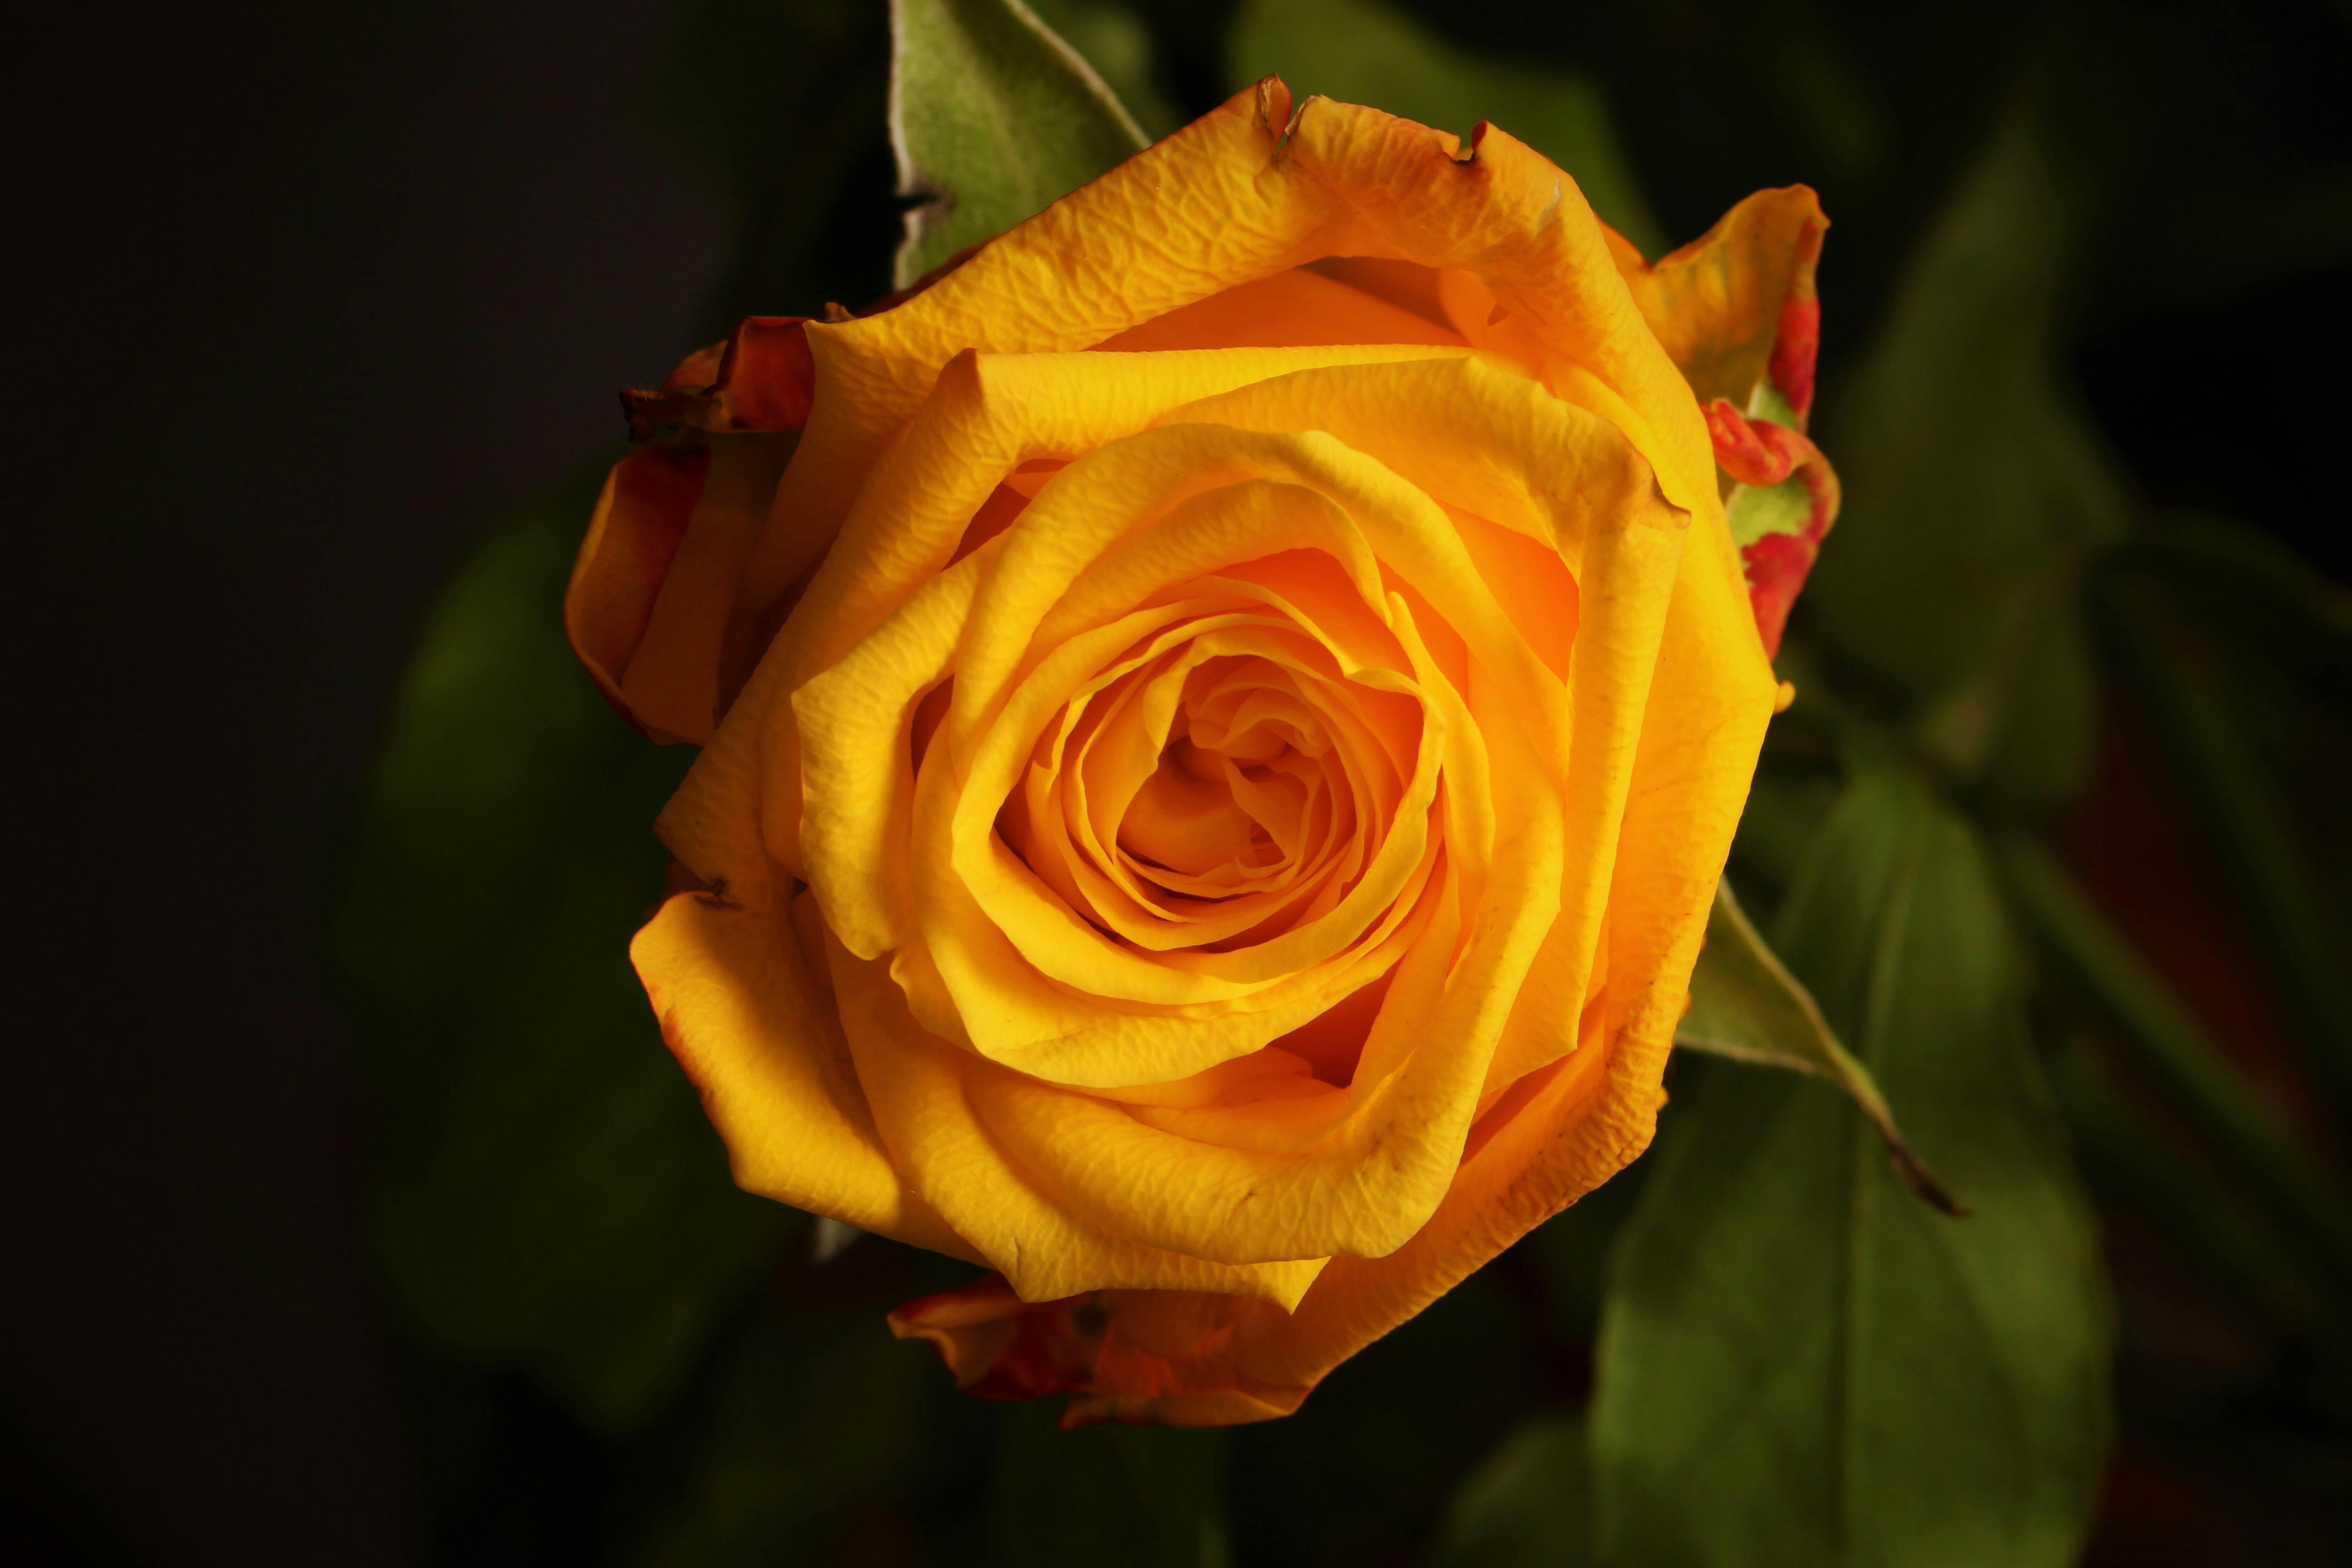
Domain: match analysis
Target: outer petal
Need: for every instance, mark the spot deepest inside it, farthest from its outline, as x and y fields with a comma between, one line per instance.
x=1507, y=218
x=649, y=605
x=632, y=538
x=760, y=379
x=1736, y=306
x=754, y=1025
x=1292, y=308
x=1098, y=261
x=919, y=1084
x=1783, y=501
x=690, y=660
x=1263, y=191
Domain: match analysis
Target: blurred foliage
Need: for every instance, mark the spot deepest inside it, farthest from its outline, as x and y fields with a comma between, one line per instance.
x=549, y=1191
x=2056, y=834
x=1527, y=1505
x=1975, y=484
x=1799, y=1362
x=1115, y=40
x=1151, y=1496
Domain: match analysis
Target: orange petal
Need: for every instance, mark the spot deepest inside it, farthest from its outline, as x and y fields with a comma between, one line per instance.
x=1736, y=307
x=1248, y=191
x=1297, y=309
x=632, y=540
x=1191, y=1358
x=657, y=518
x=1186, y=1358
x=694, y=654
x=752, y=1024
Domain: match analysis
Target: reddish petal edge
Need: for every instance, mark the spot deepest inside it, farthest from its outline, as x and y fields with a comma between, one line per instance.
x=1797, y=339
x=1736, y=307
x=1777, y=566
x=1757, y=452
x=1000, y=1347
x=760, y=378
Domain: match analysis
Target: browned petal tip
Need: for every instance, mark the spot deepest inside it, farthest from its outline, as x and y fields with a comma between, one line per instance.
x=761, y=378
x=999, y=1346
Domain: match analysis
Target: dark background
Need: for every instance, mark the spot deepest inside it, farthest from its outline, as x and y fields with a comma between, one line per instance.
x=320, y=289
x=314, y=291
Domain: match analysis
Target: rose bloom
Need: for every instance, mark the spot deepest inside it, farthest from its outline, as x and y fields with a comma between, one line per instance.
x=1221, y=720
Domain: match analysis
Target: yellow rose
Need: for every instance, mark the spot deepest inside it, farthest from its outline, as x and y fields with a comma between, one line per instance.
x=1216, y=826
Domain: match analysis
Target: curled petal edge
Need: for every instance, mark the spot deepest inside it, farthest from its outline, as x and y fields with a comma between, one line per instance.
x=1758, y=455
x=762, y=380
x=1736, y=307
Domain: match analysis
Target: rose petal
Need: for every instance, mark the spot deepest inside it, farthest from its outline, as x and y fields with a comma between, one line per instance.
x=756, y=1031
x=639, y=521
x=918, y=1083
x=1737, y=305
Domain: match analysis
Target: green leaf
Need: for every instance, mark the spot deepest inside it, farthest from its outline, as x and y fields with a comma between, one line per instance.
x=1527, y=1505
x=1360, y=51
x=2166, y=1042
x=1974, y=484
x=2019, y=727
x=1148, y=1496
x=1746, y=1006
x=1799, y=1363
x=548, y=1193
x=1784, y=810
x=994, y=117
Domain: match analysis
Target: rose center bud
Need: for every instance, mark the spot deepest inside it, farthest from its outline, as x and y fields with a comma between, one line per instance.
x=1237, y=790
